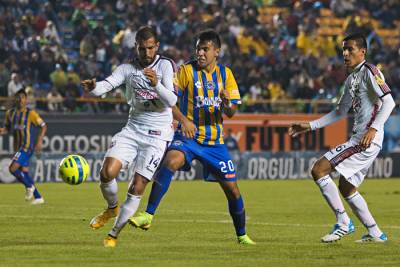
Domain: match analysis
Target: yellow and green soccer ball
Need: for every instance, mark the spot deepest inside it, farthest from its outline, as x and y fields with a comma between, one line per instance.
x=74, y=169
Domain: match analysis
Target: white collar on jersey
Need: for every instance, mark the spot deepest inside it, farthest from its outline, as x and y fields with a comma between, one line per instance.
x=359, y=66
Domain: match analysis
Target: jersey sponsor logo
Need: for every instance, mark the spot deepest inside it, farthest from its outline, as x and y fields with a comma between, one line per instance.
x=146, y=94
x=202, y=101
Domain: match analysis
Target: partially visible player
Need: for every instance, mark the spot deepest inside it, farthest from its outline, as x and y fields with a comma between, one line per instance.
x=149, y=90
x=21, y=121
x=206, y=90
x=369, y=96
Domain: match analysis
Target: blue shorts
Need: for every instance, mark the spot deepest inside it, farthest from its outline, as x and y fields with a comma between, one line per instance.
x=217, y=163
x=22, y=157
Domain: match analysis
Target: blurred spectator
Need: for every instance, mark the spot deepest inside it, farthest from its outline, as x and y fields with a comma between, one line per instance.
x=230, y=141
x=4, y=79
x=72, y=75
x=280, y=47
x=59, y=78
x=54, y=100
x=15, y=84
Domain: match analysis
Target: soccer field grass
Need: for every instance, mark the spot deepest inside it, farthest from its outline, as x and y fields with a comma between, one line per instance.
x=193, y=228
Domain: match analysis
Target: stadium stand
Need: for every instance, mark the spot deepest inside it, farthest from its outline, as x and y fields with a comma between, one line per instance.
x=280, y=51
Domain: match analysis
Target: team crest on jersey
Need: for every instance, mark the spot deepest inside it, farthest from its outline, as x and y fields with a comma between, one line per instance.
x=210, y=85
x=379, y=80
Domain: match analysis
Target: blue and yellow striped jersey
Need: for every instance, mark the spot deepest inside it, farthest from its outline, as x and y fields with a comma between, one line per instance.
x=20, y=124
x=199, y=99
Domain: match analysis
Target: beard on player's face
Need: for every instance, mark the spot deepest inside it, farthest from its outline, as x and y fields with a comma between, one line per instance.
x=147, y=50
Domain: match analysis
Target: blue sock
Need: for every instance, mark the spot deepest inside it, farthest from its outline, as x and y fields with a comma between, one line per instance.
x=21, y=177
x=236, y=209
x=159, y=188
x=36, y=193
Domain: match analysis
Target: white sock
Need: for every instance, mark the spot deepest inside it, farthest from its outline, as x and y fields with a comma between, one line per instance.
x=331, y=193
x=360, y=208
x=127, y=210
x=110, y=191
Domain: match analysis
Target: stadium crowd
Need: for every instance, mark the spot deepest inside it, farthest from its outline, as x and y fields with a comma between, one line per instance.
x=50, y=46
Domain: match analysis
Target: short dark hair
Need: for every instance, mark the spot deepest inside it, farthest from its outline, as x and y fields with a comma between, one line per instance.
x=209, y=35
x=146, y=32
x=21, y=92
x=358, y=38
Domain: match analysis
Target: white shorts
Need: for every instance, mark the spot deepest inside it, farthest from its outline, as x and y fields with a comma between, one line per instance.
x=131, y=147
x=351, y=161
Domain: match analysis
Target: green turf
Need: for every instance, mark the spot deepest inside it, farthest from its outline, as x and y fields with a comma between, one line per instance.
x=193, y=228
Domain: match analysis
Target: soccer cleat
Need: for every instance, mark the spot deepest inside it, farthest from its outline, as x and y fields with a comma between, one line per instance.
x=110, y=242
x=29, y=193
x=142, y=220
x=369, y=238
x=101, y=219
x=37, y=201
x=339, y=230
x=245, y=240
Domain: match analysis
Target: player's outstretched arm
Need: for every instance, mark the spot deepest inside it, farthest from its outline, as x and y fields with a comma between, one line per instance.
x=299, y=128
x=188, y=128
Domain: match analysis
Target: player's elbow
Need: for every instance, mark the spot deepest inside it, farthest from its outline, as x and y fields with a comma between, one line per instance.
x=171, y=101
x=389, y=101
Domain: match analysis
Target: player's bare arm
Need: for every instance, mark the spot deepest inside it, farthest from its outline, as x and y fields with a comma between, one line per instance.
x=151, y=75
x=229, y=108
x=299, y=128
x=39, y=141
x=88, y=85
x=188, y=128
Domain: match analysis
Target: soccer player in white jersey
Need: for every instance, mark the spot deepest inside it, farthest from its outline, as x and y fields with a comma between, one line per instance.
x=149, y=90
x=369, y=96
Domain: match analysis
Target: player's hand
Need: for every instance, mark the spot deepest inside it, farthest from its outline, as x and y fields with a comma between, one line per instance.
x=3, y=131
x=188, y=129
x=225, y=97
x=88, y=85
x=366, y=140
x=299, y=128
x=151, y=75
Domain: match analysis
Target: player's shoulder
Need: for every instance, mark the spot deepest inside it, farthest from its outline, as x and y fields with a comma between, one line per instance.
x=371, y=68
x=167, y=61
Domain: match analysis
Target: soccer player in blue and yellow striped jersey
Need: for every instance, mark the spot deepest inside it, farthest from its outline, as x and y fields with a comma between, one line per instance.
x=206, y=91
x=20, y=121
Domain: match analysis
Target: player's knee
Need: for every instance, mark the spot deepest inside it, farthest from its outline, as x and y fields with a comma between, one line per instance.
x=12, y=168
x=174, y=163
x=320, y=169
x=107, y=173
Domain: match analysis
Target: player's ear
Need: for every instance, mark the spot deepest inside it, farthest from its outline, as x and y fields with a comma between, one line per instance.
x=217, y=51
